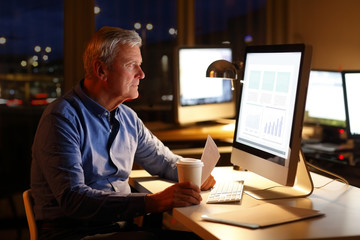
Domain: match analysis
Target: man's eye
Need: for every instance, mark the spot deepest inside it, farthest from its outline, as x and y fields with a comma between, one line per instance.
x=131, y=65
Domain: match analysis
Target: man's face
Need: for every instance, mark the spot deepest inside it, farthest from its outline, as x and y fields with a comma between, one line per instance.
x=124, y=77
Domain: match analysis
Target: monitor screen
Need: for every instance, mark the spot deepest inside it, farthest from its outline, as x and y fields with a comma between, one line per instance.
x=197, y=98
x=325, y=99
x=271, y=109
x=351, y=83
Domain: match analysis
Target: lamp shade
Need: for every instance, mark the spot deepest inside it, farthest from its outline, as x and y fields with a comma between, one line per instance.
x=222, y=69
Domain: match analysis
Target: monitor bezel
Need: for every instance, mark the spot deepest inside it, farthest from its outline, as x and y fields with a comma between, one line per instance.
x=192, y=114
x=252, y=159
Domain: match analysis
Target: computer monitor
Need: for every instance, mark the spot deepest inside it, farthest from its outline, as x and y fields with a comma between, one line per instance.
x=270, y=117
x=197, y=98
x=351, y=83
x=325, y=99
x=325, y=105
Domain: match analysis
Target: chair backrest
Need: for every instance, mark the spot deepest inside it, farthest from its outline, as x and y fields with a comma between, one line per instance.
x=28, y=202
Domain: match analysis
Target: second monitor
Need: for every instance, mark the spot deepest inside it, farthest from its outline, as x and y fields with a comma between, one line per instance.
x=325, y=106
x=197, y=98
x=325, y=99
x=351, y=83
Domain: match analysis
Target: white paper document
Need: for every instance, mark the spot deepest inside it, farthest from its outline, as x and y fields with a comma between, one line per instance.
x=209, y=157
x=262, y=215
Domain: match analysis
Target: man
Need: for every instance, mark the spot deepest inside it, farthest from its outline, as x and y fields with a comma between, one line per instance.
x=85, y=147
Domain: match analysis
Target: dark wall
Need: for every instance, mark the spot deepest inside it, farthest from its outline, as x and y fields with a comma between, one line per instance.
x=17, y=130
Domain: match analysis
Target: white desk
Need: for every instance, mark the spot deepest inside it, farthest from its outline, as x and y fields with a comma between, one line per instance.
x=341, y=205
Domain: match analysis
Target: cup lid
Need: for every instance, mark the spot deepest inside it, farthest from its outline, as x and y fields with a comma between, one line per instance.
x=190, y=161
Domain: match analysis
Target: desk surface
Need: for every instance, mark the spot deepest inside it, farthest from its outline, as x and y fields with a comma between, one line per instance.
x=195, y=132
x=339, y=202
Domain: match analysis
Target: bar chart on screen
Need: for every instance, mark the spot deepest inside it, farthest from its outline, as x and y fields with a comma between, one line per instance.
x=273, y=124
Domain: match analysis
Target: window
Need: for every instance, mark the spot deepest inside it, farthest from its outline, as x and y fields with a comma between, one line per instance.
x=235, y=22
x=31, y=52
x=31, y=72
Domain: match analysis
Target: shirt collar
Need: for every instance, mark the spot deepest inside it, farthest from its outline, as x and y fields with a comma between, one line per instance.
x=89, y=103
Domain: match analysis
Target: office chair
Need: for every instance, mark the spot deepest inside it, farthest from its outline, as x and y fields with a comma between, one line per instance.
x=28, y=202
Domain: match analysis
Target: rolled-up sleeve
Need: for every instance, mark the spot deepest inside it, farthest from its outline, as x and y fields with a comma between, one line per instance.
x=154, y=156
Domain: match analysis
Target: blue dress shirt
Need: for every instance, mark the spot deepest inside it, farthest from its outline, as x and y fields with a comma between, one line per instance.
x=82, y=156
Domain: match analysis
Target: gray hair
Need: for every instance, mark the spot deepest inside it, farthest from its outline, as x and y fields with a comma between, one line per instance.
x=103, y=45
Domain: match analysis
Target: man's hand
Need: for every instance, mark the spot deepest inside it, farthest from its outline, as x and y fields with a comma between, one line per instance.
x=209, y=183
x=178, y=195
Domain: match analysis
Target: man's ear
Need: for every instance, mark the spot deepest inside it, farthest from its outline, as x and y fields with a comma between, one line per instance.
x=99, y=69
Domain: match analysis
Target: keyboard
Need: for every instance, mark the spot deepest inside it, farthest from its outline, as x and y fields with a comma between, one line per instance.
x=325, y=147
x=227, y=191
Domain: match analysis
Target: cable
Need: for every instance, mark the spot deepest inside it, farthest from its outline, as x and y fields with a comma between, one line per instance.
x=337, y=177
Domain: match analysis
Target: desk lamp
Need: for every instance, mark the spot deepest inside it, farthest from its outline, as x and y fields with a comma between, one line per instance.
x=225, y=70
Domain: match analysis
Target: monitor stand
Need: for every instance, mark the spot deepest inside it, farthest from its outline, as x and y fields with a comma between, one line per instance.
x=302, y=187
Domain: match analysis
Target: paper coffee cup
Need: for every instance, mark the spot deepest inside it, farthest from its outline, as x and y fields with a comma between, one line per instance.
x=189, y=170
